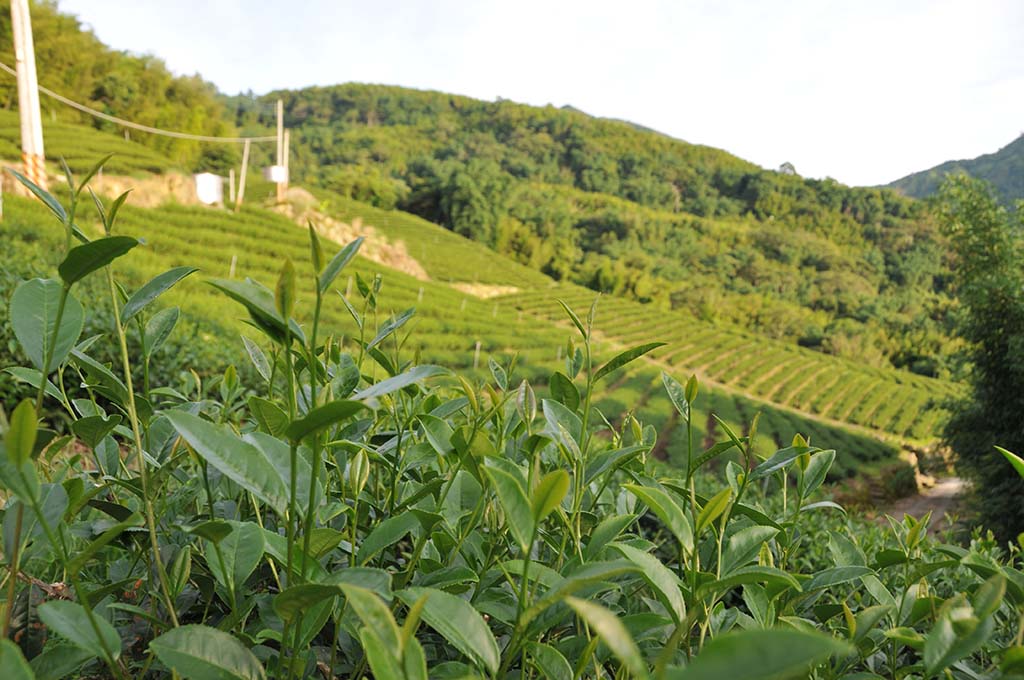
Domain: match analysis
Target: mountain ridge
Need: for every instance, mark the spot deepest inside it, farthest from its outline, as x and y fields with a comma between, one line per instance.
x=1004, y=169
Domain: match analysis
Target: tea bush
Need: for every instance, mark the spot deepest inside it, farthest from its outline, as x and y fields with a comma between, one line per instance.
x=328, y=524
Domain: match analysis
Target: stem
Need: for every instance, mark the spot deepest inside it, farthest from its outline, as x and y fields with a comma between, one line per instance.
x=143, y=467
x=216, y=544
x=12, y=578
x=524, y=590
x=314, y=374
x=293, y=456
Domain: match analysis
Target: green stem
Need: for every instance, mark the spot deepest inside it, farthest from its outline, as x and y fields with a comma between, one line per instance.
x=314, y=375
x=143, y=467
x=524, y=591
x=216, y=544
x=14, y=569
x=293, y=458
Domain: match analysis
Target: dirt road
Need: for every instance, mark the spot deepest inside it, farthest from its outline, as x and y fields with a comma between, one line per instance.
x=939, y=499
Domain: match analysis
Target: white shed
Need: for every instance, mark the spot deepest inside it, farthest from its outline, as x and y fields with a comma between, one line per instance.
x=209, y=188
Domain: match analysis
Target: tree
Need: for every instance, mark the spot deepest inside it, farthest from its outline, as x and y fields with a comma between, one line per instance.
x=987, y=245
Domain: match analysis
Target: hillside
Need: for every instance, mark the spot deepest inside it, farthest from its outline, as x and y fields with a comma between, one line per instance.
x=1004, y=169
x=789, y=297
x=609, y=205
x=448, y=323
x=616, y=208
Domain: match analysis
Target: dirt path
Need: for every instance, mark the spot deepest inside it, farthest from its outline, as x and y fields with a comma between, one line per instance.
x=939, y=499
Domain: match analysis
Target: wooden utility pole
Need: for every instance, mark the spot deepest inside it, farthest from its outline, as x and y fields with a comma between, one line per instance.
x=287, y=153
x=32, y=154
x=241, y=179
x=280, y=147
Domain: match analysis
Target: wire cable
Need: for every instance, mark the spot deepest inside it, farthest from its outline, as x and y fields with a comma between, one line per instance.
x=138, y=126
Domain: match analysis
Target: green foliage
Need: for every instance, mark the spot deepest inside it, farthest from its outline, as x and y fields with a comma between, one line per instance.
x=987, y=244
x=506, y=539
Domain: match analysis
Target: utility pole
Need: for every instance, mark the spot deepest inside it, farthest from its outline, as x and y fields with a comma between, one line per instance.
x=287, y=153
x=241, y=177
x=32, y=153
x=280, y=147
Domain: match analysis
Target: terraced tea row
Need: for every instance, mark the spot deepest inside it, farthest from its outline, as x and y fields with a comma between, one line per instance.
x=82, y=147
x=643, y=394
x=894, y=402
x=447, y=325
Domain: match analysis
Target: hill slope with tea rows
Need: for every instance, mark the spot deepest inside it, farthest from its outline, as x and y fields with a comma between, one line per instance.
x=468, y=295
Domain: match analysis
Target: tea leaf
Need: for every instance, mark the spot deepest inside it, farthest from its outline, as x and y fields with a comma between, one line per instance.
x=713, y=509
x=21, y=437
x=323, y=417
x=626, y=357
x=85, y=259
x=374, y=614
x=668, y=511
x=665, y=584
x=34, y=319
x=1016, y=461
x=338, y=263
x=160, y=327
x=611, y=631
x=294, y=600
x=761, y=655
x=460, y=624
x=200, y=652
x=258, y=358
x=43, y=195
x=12, y=664
x=519, y=518
x=71, y=622
x=390, y=326
x=156, y=287
x=549, y=493
x=243, y=463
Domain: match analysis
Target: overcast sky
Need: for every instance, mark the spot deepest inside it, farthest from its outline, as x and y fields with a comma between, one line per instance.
x=864, y=91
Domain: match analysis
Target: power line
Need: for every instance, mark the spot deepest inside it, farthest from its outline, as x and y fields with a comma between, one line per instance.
x=138, y=126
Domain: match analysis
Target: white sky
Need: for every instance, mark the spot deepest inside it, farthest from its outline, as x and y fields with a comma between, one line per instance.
x=864, y=91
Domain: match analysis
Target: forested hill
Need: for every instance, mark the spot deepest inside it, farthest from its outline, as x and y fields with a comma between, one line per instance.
x=607, y=204
x=1004, y=169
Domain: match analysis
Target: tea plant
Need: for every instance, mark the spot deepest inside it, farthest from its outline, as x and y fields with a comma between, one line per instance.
x=359, y=514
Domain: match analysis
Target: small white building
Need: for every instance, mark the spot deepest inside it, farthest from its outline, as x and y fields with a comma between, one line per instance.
x=278, y=174
x=209, y=188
